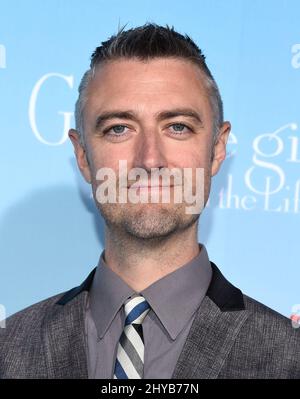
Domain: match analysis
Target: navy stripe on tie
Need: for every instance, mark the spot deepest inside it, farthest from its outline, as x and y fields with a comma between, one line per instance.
x=139, y=330
x=136, y=312
x=119, y=371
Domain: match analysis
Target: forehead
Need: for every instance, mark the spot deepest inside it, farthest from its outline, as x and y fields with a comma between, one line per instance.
x=150, y=84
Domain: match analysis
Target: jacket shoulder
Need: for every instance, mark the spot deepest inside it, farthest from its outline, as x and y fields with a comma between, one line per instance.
x=277, y=329
x=29, y=316
x=24, y=336
x=266, y=316
x=268, y=345
x=21, y=339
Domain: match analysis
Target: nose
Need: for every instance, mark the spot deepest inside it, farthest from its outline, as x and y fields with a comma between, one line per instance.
x=150, y=151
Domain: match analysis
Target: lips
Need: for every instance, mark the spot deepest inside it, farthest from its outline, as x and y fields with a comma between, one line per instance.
x=149, y=187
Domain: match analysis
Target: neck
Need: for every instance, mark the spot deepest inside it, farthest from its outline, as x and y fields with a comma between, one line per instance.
x=142, y=262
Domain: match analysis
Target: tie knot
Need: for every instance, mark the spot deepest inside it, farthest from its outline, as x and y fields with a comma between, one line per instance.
x=136, y=309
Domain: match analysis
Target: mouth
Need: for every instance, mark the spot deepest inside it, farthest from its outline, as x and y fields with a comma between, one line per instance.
x=148, y=187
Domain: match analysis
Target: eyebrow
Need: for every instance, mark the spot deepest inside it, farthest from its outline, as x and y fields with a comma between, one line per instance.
x=163, y=115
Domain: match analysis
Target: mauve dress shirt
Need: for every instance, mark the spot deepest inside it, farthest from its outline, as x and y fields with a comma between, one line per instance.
x=174, y=300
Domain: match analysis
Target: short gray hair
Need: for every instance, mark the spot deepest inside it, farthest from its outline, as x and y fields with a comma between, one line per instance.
x=145, y=43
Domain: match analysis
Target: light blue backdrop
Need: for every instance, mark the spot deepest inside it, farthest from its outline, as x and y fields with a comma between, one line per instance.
x=50, y=235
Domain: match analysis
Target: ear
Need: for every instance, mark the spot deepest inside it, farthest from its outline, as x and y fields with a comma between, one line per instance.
x=81, y=155
x=219, y=150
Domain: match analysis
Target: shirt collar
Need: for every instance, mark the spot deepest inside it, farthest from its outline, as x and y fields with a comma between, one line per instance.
x=178, y=293
x=107, y=294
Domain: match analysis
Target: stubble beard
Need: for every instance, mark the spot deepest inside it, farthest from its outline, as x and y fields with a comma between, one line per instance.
x=150, y=221
x=147, y=221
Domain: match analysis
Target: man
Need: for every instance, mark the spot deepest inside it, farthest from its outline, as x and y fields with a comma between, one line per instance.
x=155, y=306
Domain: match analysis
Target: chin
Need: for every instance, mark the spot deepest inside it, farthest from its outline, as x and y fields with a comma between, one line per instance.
x=149, y=233
x=148, y=221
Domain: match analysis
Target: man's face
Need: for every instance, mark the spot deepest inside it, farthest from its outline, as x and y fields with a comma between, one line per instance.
x=152, y=130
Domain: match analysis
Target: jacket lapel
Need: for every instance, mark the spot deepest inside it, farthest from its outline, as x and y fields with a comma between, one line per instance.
x=64, y=340
x=64, y=335
x=216, y=325
x=213, y=332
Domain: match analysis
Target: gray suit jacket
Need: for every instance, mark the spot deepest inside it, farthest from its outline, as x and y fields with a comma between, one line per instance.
x=232, y=336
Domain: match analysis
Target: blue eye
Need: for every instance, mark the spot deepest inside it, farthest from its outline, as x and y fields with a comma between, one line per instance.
x=179, y=128
x=118, y=129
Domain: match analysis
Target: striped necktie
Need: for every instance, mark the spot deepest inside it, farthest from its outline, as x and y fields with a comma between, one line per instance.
x=130, y=353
